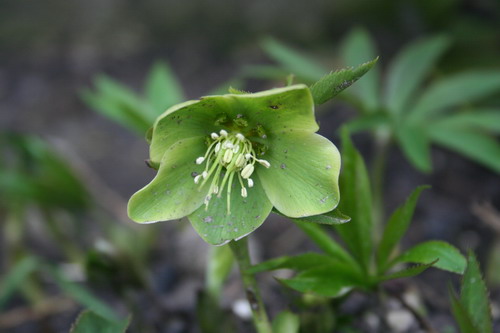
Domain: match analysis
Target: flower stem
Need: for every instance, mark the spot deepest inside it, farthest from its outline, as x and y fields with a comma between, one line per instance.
x=241, y=255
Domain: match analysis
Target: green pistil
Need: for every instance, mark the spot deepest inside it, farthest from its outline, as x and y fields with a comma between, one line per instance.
x=231, y=154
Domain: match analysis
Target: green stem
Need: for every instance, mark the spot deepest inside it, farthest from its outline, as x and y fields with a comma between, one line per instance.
x=260, y=319
x=382, y=143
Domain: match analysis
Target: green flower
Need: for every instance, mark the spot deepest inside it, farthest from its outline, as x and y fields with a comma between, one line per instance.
x=225, y=161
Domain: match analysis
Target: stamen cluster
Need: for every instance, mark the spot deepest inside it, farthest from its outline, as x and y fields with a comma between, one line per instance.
x=228, y=155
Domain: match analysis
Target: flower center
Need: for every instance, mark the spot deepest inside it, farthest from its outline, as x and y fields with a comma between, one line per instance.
x=227, y=156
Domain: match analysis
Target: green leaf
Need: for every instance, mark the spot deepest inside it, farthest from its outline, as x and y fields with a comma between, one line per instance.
x=332, y=280
x=408, y=70
x=358, y=48
x=332, y=84
x=461, y=315
x=218, y=268
x=286, y=322
x=455, y=91
x=324, y=241
x=474, y=296
x=90, y=322
x=356, y=201
x=396, y=227
x=480, y=119
x=292, y=60
x=15, y=278
x=330, y=218
x=476, y=146
x=415, y=145
x=162, y=88
x=450, y=259
x=82, y=295
x=407, y=272
x=299, y=262
x=366, y=122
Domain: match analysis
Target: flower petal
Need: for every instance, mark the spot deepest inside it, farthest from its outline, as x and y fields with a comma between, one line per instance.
x=186, y=120
x=216, y=227
x=172, y=194
x=303, y=177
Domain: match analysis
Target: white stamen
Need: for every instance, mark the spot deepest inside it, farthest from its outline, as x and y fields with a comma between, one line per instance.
x=197, y=179
x=217, y=147
x=240, y=137
x=247, y=171
x=264, y=163
x=240, y=161
x=228, y=145
x=200, y=160
x=204, y=174
x=250, y=182
x=215, y=189
x=236, y=149
x=248, y=156
x=223, y=133
x=214, y=136
x=244, y=192
x=228, y=156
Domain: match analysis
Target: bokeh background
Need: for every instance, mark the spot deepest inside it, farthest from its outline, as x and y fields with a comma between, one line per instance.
x=51, y=51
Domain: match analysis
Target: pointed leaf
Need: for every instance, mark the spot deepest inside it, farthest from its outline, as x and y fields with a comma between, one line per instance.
x=286, y=322
x=90, y=322
x=407, y=272
x=356, y=201
x=461, y=315
x=474, y=296
x=396, y=227
x=408, y=70
x=162, y=88
x=450, y=259
x=481, y=119
x=334, y=83
x=415, y=145
x=299, y=262
x=476, y=146
x=367, y=122
x=359, y=48
x=15, y=278
x=454, y=91
x=292, y=60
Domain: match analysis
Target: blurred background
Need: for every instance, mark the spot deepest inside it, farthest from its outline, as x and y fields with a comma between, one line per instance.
x=69, y=160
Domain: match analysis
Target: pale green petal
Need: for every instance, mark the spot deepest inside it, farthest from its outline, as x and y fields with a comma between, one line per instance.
x=172, y=194
x=303, y=177
x=186, y=120
x=216, y=227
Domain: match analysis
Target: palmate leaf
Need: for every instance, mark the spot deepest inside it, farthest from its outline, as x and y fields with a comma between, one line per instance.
x=408, y=70
x=449, y=258
x=292, y=61
x=396, y=227
x=358, y=48
x=356, y=199
x=334, y=83
x=90, y=322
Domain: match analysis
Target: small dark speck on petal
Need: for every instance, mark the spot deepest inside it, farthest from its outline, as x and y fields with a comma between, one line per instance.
x=283, y=166
x=194, y=174
x=208, y=219
x=328, y=167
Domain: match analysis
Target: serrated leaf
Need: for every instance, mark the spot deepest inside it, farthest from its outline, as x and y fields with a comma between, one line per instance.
x=358, y=48
x=450, y=259
x=292, y=60
x=90, y=322
x=162, y=88
x=15, y=278
x=454, y=91
x=334, y=83
x=396, y=227
x=461, y=315
x=82, y=295
x=356, y=201
x=415, y=145
x=476, y=146
x=480, y=119
x=299, y=262
x=286, y=322
x=332, y=280
x=474, y=296
x=324, y=241
x=410, y=67
x=407, y=272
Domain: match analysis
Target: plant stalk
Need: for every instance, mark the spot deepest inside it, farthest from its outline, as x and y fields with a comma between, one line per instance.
x=242, y=257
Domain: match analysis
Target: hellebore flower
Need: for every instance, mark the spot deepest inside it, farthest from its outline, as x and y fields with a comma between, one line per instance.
x=225, y=161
